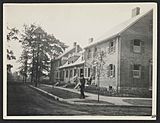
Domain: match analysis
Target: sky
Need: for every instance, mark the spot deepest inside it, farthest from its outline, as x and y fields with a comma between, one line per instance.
x=69, y=22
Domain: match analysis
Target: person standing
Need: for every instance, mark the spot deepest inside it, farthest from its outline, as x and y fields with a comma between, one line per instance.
x=82, y=87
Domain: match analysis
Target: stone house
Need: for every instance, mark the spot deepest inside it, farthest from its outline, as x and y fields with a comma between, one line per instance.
x=127, y=55
x=67, y=65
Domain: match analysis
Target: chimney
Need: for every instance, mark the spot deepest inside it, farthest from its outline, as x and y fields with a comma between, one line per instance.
x=74, y=44
x=77, y=48
x=90, y=40
x=135, y=11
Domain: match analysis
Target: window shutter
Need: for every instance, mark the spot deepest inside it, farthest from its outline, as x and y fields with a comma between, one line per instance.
x=132, y=44
x=131, y=71
x=108, y=71
x=142, y=46
x=113, y=70
x=142, y=72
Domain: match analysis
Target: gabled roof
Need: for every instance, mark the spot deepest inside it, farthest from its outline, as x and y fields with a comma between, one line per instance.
x=119, y=29
x=79, y=61
x=65, y=52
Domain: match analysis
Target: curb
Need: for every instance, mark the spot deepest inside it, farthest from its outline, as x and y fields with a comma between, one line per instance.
x=82, y=103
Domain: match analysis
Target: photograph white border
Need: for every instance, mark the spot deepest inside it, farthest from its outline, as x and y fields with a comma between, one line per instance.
x=154, y=79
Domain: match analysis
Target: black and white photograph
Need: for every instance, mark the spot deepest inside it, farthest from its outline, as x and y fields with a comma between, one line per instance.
x=94, y=61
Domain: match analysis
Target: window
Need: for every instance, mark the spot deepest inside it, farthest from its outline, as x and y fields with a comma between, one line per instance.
x=85, y=72
x=111, y=46
x=75, y=72
x=94, y=71
x=70, y=73
x=95, y=52
x=57, y=74
x=89, y=53
x=66, y=73
x=136, y=71
x=78, y=72
x=111, y=70
x=137, y=46
x=89, y=72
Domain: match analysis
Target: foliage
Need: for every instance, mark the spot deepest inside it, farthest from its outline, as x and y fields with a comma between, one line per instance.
x=39, y=48
x=12, y=34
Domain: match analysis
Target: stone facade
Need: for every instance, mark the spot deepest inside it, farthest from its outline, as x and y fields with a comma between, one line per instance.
x=120, y=62
x=63, y=64
x=141, y=30
x=128, y=56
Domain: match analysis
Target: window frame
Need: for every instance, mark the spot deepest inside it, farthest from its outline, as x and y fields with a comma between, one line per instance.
x=137, y=71
x=112, y=48
x=136, y=46
x=66, y=73
x=111, y=72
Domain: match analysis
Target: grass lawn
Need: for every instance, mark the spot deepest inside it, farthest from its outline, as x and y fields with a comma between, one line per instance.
x=59, y=92
x=138, y=102
x=24, y=101
x=94, y=101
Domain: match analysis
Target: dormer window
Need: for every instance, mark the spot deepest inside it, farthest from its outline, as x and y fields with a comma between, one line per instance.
x=95, y=52
x=89, y=53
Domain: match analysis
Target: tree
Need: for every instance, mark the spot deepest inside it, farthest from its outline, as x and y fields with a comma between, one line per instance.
x=99, y=62
x=41, y=47
x=12, y=34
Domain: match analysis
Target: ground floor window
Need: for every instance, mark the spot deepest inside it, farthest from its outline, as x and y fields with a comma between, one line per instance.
x=70, y=73
x=85, y=72
x=136, y=71
x=81, y=72
x=66, y=73
x=57, y=74
x=75, y=72
x=89, y=70
x=111, y=70
x=94, y=72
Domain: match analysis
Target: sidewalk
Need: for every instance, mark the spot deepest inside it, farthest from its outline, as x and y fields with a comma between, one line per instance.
x=91, y=99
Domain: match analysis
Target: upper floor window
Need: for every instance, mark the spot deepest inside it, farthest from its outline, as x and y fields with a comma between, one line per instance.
x=111, y=46
x=137, y=46
x=136, y=71
x=95, y=52
x=89, y=53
